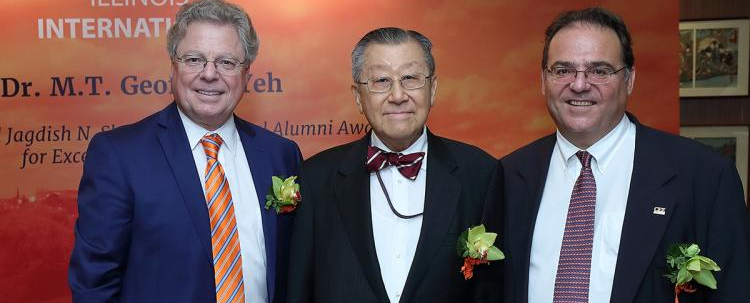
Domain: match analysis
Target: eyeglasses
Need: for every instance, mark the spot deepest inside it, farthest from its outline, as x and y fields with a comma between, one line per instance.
x=225, y=66
x=594, y=75
x=384, y=84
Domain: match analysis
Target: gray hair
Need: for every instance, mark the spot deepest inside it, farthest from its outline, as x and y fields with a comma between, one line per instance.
x=218, y=12
x=392, y=36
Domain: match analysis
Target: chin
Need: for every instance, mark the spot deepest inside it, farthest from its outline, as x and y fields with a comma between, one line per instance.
x=403, y=135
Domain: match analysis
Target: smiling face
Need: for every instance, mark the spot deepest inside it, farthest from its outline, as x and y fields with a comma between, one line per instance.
x=584, y=112
x=398, y=115
x=207, y=97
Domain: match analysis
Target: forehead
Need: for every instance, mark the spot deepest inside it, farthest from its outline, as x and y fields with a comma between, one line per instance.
x=394, y=57
x=207, y=37
x=583, y=44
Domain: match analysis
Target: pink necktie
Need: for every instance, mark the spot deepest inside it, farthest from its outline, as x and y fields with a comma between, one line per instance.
x=574, y=267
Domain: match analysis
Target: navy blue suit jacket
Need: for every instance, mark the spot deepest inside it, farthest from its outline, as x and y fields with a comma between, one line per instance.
x=143, y=234
x=703, y=198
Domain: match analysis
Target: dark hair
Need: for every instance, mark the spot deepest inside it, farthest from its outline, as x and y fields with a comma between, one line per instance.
x=593, y=16
x=392, y=36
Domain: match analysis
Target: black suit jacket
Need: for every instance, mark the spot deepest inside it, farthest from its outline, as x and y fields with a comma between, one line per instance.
x=334, y=258
x=700, y=190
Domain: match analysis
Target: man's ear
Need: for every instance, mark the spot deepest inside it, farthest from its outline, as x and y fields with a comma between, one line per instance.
x=433, y=90
x=247, y=76
x=631, y=80
x=172, y=70
x=355, y=92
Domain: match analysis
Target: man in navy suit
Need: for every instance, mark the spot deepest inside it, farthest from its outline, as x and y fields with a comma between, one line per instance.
x=591, y=211
x=148, y=229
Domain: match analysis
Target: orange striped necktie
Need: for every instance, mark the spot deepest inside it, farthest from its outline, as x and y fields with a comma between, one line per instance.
x=224, y=238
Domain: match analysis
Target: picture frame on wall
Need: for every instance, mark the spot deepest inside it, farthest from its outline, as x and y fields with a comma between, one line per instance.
x=730, y=141
x=714, y=58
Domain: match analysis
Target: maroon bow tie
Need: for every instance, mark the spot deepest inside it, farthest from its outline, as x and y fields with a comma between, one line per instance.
x=407, y=164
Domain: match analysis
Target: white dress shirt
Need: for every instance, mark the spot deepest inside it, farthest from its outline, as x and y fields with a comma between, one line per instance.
x=612, y=165
x=244, y=198
x=395, y=238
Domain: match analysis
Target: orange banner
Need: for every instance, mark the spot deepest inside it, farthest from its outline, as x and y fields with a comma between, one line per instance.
x=71, y=69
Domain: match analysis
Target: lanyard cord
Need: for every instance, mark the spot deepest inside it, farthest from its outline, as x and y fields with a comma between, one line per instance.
x=388, y=198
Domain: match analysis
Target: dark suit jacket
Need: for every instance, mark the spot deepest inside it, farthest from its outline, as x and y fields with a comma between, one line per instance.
x=700, y=190
x=143, y=232
x=334, y=251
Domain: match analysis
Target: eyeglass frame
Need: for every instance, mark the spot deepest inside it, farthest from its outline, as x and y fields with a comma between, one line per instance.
x=585, y=74
x=400, y=79
x=240, y=65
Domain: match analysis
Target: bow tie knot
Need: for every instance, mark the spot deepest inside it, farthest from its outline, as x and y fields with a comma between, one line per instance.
x=407, y=164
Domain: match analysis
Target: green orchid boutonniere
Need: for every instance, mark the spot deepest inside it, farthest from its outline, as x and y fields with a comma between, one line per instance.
x=686, y=266
x=476, y=247
x=284, y=195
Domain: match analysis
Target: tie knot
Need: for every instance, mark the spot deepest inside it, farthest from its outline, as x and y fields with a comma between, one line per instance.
x=407, y=164
x=585, y=158
x=211, y=145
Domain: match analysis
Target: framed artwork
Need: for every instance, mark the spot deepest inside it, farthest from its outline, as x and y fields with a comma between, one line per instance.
x=731, y=141
x=714, y=58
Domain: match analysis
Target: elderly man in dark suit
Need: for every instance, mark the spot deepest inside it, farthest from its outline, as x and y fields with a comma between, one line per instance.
x=380, y=216
x=591, y=211
x=170, y=208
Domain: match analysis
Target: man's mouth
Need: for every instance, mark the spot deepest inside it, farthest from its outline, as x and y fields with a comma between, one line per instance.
x=398, y=114
x=581, y=102
x=209, y=92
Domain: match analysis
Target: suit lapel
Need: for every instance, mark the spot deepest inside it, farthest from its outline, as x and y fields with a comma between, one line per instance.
x=533, y=176
x=642, y=229
x=174, y=143
x=441, y=199
x=353, y=200
x=260, y=167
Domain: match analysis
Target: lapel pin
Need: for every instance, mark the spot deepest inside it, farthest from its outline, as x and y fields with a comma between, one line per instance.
x=660, y=211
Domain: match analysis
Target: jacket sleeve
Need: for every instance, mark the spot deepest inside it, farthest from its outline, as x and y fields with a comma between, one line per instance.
x=729, y=239
x=300, y=286
x=489, y=278
x=103, y=227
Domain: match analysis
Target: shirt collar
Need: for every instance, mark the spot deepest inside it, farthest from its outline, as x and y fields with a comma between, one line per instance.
x=195, y=132
x=603, y=151
x=420, y=145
